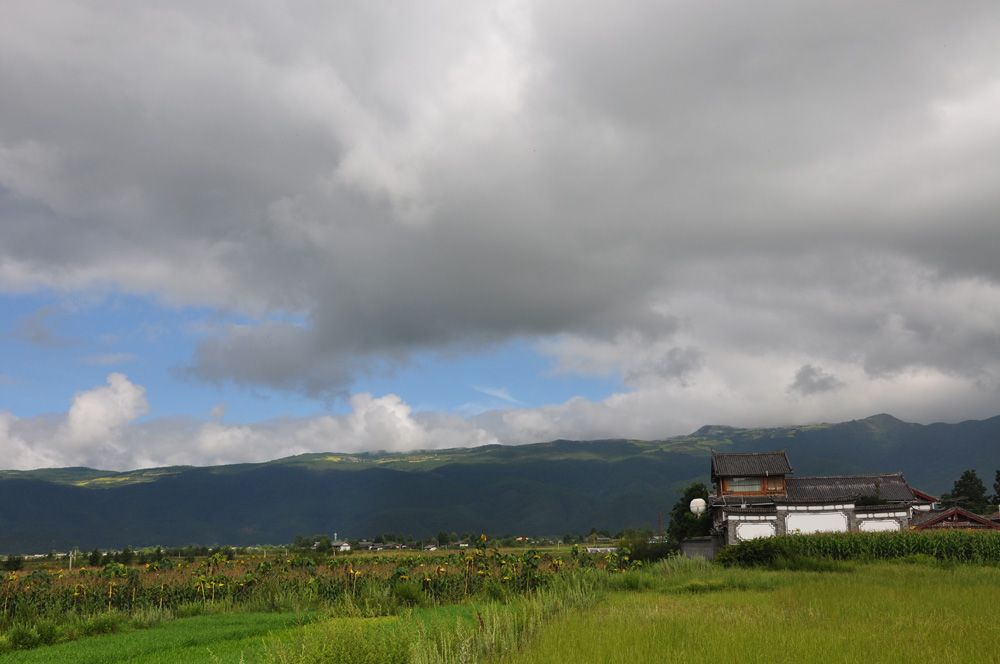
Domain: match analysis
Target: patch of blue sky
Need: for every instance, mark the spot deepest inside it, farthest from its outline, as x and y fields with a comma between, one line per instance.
x=55, y=345
x=511, y=375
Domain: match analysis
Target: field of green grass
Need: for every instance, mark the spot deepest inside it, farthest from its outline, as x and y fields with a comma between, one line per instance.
x=882, y=612
x=207, y=638
x=678, y=610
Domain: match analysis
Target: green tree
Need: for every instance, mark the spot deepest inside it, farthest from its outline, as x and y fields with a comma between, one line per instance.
x=13, y=563
x=969, y=493
x=126, y=556
x=323, y=543
x=683, y=523
x=442, y=538
x=995, y=499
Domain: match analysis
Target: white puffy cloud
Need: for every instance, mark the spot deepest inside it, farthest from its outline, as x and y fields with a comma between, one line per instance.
x=101, y=430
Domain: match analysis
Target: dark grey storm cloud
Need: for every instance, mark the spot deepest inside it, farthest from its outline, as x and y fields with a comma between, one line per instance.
x=703, y=199
x=813, y=380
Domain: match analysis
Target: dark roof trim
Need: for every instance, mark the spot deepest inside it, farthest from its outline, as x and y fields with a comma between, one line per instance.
x=738, y=500
x=937, y=517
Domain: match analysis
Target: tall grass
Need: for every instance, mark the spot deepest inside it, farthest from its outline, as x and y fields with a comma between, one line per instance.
x=881, y=612
x=457, y=634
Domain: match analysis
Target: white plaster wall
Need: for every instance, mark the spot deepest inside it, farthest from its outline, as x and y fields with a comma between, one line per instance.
x=878, y=525
x=754, y=529
x=816, y=522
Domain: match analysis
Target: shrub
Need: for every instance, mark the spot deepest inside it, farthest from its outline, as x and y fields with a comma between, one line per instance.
x=408, y=593
x=13, y=563
x=761, y=552
x=642, y=549
x=22, y=636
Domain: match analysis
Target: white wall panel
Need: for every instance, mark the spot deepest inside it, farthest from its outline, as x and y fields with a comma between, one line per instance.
x=754, y=529
x=877, y=525
x=816, y=522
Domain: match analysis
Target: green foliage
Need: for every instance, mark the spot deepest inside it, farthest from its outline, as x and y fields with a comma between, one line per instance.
x=409, y=593
x=13, y=563
x=760, y=552
x=684, y=524
x=960, y=546
x=969, y=493
x=365, y=586
x=646, y=551
x=126, y=556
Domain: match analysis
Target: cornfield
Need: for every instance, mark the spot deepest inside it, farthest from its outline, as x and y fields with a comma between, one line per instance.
x=954, y=545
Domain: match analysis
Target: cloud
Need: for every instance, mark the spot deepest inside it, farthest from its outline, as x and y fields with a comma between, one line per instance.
x=98, y=416
x=102, y=430
x=99, y=430
x=501, y=393
x=812, y=380
x=700, y=203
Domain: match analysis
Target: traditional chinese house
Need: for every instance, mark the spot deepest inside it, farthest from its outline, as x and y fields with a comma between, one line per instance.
x=756, y=495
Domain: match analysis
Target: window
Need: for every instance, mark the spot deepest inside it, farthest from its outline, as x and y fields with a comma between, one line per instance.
x=774, y=484
x=744, y=484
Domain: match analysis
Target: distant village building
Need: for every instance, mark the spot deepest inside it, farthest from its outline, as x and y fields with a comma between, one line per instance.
x=756, y=496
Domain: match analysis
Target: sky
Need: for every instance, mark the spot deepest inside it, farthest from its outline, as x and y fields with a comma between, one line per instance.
x=241, y=230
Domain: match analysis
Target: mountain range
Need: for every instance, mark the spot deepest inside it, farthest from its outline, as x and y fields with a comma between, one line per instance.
x=541, y=489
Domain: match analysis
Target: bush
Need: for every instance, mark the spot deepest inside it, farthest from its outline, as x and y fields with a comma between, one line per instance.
x=408, y=593
x=760, y=552
x=22, y=636
x=646, y=551
x=13, y=563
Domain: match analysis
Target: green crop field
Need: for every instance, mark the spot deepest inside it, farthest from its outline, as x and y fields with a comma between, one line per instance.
x=222, y=638
x=884, y=612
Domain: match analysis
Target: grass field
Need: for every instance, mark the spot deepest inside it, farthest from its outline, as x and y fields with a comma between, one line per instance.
x=871, y=613
x=209, y=638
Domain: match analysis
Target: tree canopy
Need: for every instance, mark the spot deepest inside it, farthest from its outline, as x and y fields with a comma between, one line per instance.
x=969, y=493
x=683, y=523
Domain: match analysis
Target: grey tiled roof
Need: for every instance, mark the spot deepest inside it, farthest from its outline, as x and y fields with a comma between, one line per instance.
x=749, y=464
x=893, y=487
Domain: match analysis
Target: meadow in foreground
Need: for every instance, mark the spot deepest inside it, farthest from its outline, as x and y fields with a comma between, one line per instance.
x=789, y=607
x=873, y=612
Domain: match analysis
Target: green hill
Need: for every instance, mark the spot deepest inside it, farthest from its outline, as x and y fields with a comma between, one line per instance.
x=547, y=488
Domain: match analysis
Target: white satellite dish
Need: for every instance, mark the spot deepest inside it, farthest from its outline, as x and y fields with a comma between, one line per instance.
x=698, y=506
